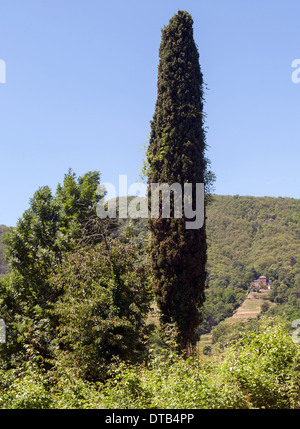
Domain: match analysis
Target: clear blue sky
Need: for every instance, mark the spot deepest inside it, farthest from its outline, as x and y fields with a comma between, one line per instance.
x=81, y=88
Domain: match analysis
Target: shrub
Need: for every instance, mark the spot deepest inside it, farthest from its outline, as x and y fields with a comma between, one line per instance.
x=266, y=366
x=101, y=314
x=24, y=389
x=261, y=370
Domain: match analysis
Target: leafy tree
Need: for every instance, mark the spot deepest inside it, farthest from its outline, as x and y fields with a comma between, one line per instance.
x=51, y=226
x=176, y=155
x=4, y=268
x=102, y=309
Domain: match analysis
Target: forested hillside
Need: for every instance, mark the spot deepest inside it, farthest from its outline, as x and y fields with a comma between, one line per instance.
x=93, y=323
x=102, y=310
x=249, y=237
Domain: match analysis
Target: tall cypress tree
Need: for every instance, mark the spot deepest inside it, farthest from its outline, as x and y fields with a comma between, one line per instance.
x=176, y=155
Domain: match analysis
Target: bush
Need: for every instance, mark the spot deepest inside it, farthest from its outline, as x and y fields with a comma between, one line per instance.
x=266, y=366
x=261, y=370
x=102, y=311
x=33, y=388
x=24, y=389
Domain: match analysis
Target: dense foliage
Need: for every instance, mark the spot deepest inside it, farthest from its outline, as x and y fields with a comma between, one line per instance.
x=249, y=237
x=36, y=247
x=76, y=290
x=104, y=299
x=4, y=268
x=259, y=371
x=176, y=155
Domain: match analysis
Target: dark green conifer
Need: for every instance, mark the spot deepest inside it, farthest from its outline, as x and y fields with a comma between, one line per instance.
x=176, y=155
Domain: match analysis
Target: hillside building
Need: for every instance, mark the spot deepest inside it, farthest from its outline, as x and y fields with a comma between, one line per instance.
x=263, y=283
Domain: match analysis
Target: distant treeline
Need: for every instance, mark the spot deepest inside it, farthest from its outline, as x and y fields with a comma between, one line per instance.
x=249, y=237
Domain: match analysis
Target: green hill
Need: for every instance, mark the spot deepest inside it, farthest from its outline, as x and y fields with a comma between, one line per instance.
x=249, y=237
x=3, y=264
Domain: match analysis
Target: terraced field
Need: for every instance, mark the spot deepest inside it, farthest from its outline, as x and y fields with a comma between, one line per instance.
x=250, y=308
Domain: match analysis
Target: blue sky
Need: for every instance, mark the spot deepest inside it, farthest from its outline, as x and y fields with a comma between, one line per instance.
x=81, y=88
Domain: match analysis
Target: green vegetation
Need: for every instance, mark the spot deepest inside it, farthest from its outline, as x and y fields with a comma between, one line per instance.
x=104, y=299
x=4, y=268
x=249, y=237
x=79, y=294
x=36, y=248
x=259, y=371
x=89, y=345
x=176, y=155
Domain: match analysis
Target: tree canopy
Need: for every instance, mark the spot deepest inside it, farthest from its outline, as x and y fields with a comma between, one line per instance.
x=176, y=155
